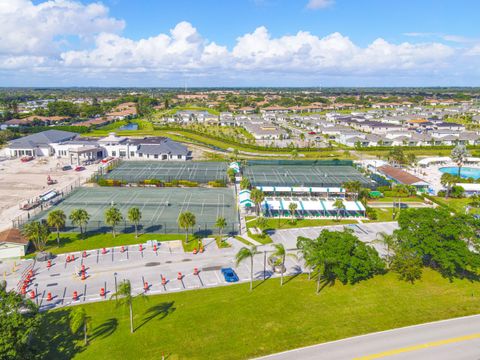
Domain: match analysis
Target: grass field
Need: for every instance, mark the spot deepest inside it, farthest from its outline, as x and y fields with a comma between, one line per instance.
x=233, y=323
x=396, y=199
x=383, y=214
x=287, y=224
x=458, y=204
x=72, y=242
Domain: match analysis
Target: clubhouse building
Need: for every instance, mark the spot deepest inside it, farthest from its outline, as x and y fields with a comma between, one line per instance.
x=69, y=145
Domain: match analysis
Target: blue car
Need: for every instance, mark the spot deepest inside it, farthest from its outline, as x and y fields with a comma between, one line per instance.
x=229, y=275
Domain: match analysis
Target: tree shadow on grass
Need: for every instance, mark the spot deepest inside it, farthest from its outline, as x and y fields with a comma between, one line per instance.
x=159, y=311
x=105, y=329
x=56, y=341
x=298, y=271
x=326, y=281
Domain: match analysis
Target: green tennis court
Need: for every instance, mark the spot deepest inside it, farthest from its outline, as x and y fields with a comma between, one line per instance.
x=302, y=173
x=200, y=172
x=160, y=207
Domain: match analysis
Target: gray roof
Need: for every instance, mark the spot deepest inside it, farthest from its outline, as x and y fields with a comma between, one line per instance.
x=43, y=138
x=162, y=146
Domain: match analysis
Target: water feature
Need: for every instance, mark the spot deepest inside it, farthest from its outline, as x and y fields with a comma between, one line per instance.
x=129, y=126
x=466, y=172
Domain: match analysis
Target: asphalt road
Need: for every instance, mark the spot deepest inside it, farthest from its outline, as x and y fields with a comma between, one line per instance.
x=457, y=339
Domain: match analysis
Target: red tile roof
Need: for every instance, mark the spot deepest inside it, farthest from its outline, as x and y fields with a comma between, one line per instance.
x=13, y=236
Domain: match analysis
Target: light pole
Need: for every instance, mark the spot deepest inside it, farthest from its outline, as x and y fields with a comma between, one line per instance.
x=115, y=274
x=36, y=293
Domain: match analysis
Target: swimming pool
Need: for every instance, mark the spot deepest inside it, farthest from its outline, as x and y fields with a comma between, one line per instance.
x=466, y=172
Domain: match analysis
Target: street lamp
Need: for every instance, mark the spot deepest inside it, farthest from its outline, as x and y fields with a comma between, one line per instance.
x=36, y=293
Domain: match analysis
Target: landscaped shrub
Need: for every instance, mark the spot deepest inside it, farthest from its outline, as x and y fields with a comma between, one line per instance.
x=217, y=183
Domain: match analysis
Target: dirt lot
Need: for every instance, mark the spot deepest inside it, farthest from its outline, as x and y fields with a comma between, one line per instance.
x=20, y=182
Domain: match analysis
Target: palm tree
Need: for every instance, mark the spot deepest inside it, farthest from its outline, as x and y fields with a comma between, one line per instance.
x=134, y=216
x=231, y=175
x=257, y=197
x=79, y=319
x=124, y=297
x=294, y=154
x=316, y=258
x=245, y=253
x=339, y=206
x=221, y=223
x=262, y=224
x=352, y=187
x=388, y=241
x=292, y=207
x=37, y=233
x=244, y=183
x=459, y=155
x=186, y=220
x=113, y=217
x=56, y=219
x=281, y=253
x=235, y=154
x=79, y=217
x=447, y=180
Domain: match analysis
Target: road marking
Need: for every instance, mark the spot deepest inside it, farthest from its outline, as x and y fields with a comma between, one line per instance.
x=419, y=347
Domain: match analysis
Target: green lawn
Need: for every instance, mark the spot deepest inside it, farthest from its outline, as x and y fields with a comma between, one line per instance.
x=396, y=199
x=242, y=240
x=458, y=204
x=383, y=214
x=233, y=323
x=262, y=239
x=71, y=242
x=280, y=223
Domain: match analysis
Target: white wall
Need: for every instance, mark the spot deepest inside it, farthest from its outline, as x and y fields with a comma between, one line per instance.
x=11, y=250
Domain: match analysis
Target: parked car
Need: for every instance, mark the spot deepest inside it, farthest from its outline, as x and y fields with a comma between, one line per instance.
x=66, y=167
x=79, y=168
x=26, y=158
x=229, y=275
x=312, y=133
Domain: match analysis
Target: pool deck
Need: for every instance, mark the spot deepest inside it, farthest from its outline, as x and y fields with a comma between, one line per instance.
x=432, y=174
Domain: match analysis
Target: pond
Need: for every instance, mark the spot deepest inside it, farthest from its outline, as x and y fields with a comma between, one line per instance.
x=129, y=126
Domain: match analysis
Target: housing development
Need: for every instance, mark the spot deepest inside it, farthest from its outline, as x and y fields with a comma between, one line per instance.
x=277, y=180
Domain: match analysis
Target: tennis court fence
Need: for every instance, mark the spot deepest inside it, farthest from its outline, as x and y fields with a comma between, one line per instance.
x=147, y=227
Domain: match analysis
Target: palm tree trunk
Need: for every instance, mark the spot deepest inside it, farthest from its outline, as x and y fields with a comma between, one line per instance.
x=251, y=273
x=58, y=236
x=136, y=232
x=318, y=282
x=186, y=235
x=113, y=230
x=281, y=273
x=131, y=318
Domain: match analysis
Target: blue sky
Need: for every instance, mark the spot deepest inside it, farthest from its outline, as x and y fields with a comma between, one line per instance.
x=361, y=20
x=239, y=43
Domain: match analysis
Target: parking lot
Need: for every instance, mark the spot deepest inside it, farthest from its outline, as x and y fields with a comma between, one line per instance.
x=365, y=232
x=20, y=182
x=144, y=268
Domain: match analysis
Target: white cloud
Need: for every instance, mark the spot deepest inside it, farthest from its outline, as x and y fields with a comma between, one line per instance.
x=104, y=56
x=26, y=28
x=319, y=4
